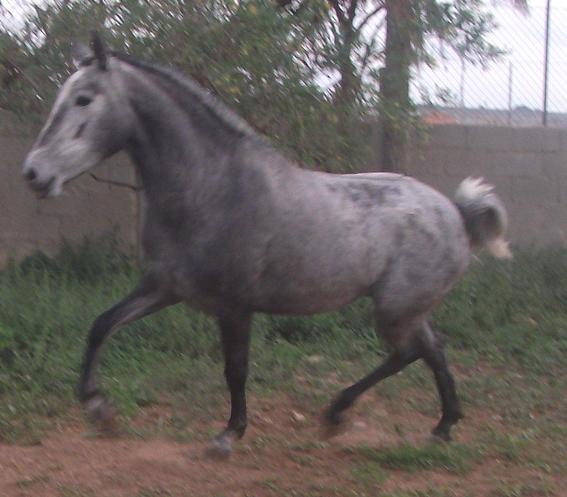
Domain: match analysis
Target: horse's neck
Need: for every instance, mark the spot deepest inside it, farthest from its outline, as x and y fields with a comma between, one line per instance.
x=173, y=156
x=182, y=151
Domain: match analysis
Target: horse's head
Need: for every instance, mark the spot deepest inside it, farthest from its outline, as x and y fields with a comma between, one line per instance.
x=90, y=121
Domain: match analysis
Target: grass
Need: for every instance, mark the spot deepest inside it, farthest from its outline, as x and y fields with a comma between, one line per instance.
x=66, y=491
x=429, y=492
x=506, y=323
x=369, y=474
x=535, y=488
x=454, y=458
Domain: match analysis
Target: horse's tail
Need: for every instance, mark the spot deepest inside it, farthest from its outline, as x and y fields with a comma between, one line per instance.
x=484, y=215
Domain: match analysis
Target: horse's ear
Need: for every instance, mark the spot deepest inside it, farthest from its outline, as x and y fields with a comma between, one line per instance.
x=99, y=51
x=80, y=54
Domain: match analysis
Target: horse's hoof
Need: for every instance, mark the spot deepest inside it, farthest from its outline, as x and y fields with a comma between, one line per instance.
x=333, y=425
x=220, y=447
x=101, y=415
x=443, y=429
x=441, y=435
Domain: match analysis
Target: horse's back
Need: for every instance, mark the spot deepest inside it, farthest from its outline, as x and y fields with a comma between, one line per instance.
x=334, y=238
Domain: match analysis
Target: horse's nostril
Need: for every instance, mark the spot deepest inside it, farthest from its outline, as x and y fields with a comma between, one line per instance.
x=30, y=175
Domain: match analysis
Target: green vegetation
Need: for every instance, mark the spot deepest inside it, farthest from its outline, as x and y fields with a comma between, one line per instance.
x=507, y=331
x=454, y=458
x=308, y=73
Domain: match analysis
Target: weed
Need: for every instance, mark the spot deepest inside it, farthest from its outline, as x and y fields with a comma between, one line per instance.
x=430, y=492
x=369, y=474
x=32, y=480
x=454, y=458
x=67, y=491
x=525, y=489
x=154, y=492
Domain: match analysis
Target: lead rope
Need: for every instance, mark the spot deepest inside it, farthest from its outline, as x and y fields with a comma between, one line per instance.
x=136, y=188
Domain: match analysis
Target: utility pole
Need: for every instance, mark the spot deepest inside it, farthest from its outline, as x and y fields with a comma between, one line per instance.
x=510, y=82
x=546, y=61
x=462, y=83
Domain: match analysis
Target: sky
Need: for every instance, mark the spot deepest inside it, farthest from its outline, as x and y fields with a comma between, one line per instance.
x=522, y=36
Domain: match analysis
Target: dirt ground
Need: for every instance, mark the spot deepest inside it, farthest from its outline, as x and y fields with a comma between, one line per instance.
x=282, y=454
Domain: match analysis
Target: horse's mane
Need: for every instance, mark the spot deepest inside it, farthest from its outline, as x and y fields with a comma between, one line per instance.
x=213, y=105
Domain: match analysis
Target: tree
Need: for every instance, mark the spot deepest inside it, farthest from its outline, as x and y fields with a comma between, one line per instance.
x=394, y=84
x=374, y=44
x=461, y=24
x=272, y=64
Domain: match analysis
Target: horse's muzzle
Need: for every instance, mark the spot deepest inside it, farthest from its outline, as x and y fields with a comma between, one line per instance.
x=41, y=187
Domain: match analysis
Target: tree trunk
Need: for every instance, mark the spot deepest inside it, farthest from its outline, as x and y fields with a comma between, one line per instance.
x=348, y=86
x=395, y=86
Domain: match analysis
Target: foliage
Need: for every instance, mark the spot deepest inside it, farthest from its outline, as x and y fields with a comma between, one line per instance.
x=509, y=315
x=306, y=74
x=249, y=54
x=454, y=458
x=351, y=42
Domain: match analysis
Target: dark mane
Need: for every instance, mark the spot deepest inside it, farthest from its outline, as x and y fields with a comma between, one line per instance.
x=213, y=105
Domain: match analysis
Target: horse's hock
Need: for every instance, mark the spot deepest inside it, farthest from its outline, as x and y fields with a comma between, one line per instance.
x=527, y=166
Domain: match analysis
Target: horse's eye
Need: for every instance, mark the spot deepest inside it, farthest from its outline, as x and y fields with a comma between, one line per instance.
x=83, y=101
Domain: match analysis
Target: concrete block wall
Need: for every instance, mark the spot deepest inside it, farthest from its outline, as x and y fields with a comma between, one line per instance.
x=528, y=168
x=85, y=208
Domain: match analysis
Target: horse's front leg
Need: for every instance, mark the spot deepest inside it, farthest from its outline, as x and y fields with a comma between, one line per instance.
x=235, y=333
x=145, y=299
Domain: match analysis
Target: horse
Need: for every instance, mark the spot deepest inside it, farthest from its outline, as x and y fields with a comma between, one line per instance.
x=232, y=227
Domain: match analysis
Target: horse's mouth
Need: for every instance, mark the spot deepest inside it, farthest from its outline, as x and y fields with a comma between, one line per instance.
x=42, y=190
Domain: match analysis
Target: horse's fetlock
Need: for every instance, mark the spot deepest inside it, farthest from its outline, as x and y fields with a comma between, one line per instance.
x=457, y=416
x=98, y=408
x=238, y=428
x=85, y=394
x=344, y=401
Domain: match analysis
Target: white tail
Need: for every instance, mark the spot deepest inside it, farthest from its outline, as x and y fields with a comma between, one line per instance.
x=485, y=217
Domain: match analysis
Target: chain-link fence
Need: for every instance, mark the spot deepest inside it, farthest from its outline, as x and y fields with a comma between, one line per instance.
x=13, y=13
x=511, y=90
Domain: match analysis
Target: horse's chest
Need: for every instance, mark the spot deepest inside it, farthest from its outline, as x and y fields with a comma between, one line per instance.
x=206, y=275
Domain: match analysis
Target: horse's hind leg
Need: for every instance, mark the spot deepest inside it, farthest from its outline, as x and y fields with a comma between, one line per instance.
x=434, y=357
x=404, y=353
x=144, y=300
x=409, y=343
x=235, y=334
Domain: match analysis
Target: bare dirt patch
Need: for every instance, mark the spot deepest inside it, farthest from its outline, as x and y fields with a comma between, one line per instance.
x=282, y=454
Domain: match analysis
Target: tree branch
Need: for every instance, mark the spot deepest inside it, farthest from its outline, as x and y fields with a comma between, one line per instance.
x=338, y=11
x=9, y=65
x=352, y=12
x=369, y=16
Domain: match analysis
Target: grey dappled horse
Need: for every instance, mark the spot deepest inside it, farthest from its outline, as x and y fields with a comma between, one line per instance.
x=232, y=227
